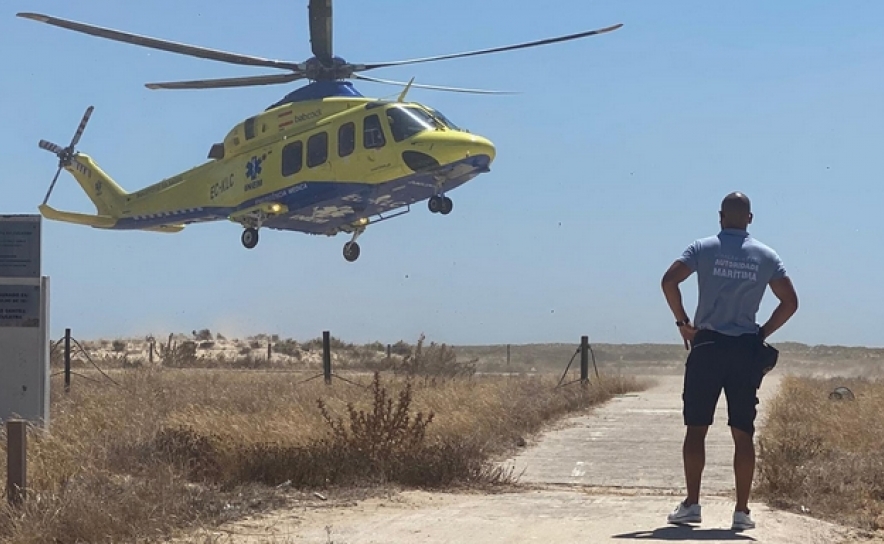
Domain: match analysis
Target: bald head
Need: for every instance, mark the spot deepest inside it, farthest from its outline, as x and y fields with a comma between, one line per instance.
x=736, y=211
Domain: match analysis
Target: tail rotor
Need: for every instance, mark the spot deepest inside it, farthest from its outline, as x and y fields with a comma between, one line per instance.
x=65, y=154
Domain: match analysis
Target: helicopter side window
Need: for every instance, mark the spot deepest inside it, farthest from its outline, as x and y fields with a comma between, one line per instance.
x=317, y=149
x=372, y=133
x=292, y=158
x=346, y=139
x=250, y=128
x=406, y=122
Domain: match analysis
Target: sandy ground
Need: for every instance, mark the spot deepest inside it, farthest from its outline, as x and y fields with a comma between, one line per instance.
x=608, y=476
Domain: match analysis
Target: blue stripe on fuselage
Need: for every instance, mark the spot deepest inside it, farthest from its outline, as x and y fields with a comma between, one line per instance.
x=320, y=207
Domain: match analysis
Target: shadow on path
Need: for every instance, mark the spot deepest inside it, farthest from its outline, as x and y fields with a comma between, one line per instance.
x=684, y=532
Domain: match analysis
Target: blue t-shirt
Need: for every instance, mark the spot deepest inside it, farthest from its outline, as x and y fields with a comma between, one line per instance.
x=733, y=271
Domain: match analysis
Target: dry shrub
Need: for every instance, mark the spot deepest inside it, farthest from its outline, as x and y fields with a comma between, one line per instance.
x=176, y=448
x=824, y=455
x=434, y=360
x=383, y=439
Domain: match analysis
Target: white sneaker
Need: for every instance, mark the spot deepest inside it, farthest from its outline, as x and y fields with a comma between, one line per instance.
x=742, y=521
x=685, y=514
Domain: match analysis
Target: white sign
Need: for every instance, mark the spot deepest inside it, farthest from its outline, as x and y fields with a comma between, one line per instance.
x=24, y=322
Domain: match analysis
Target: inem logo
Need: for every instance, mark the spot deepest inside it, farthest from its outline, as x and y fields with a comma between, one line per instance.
x=253, y=168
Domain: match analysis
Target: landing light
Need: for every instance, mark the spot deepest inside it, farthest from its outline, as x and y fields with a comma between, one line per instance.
x=275, y=208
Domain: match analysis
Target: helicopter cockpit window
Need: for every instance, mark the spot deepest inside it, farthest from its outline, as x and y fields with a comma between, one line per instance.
x=444, y=120
x=346, y=139
x=406, y=122
x=317, y=149
x=372, y=133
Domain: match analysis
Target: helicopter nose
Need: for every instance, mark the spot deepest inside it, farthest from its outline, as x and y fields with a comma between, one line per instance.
x=443, y=149
x=482, y=148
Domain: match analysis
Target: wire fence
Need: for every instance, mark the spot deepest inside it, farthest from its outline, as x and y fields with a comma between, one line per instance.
x=69, y=348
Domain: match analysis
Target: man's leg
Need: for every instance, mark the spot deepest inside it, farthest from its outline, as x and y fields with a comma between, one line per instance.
x=703, y=382
x=694, y=455
x=741, y=391
x=744, y=467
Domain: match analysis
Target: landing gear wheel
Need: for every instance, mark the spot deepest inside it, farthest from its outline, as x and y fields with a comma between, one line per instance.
x=435, y=204
x=447, y=206
x=250, y=238
x=351, y=251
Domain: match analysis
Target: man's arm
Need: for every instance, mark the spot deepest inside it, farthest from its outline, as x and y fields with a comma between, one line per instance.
x=784, y=290
x=676, y=274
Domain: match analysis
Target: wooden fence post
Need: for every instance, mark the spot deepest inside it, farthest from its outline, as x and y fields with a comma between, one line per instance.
x=584, y=359
x=67, y=360
x=326, y=356
x=16, y=460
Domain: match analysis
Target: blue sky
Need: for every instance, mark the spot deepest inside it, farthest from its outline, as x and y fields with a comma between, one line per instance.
x=612, y=159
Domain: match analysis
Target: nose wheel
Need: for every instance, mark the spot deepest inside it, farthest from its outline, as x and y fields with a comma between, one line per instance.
x=351, y=248
x=351, y=251
x=250, y=237
x=440, y=204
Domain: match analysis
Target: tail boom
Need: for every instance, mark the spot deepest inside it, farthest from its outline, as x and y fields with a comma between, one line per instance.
x=108, y=197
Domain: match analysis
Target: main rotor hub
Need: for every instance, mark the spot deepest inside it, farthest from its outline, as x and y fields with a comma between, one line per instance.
x=317, y=70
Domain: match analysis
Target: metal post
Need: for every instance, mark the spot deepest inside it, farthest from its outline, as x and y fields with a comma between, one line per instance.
x=326, y=356
x=16, y=460
x=584, y=359
x=507, y=355
x=67, y=360
x=150, y=348
x=269, y=350
x=389, y=351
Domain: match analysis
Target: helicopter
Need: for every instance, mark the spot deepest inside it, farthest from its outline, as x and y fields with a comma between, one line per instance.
x=323, y=160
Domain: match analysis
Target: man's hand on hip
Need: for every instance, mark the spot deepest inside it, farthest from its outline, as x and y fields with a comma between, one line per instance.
x=687, y=333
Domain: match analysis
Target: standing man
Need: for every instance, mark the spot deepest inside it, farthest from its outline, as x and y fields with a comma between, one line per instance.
x=733, y=270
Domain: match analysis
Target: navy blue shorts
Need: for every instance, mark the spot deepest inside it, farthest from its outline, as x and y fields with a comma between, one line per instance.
x=720, y=362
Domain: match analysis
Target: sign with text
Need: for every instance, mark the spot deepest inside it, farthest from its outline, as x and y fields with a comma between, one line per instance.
x=20, y=246
x=24, y=322
x=19, y=306
x=24, y=357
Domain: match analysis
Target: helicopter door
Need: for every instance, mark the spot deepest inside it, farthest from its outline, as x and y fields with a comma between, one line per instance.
x=375, y=149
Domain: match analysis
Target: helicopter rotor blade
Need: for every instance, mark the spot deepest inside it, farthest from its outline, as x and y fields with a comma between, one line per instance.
x=228, y=82
x=50, y=147
x=372, y=66
x=52, y=185
x=431, y=87
x=81, y=128
x=164, y=45
x=321, y=29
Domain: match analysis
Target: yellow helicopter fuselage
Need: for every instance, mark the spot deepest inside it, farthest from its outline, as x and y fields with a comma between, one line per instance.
x=316, y=165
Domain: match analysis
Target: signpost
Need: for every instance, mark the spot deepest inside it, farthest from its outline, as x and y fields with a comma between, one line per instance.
x=24, y=321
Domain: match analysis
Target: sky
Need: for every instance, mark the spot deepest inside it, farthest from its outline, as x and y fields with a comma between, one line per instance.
x=613, y=158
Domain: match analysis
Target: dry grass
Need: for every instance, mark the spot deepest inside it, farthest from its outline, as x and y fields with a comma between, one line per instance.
x=823, y=456
x=175, y=449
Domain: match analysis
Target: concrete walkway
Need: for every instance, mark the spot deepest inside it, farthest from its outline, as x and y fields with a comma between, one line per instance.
x=610, y=476
x=634, y=441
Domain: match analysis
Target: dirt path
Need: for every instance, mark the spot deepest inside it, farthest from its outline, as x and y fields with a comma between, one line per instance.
x=606, y=477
